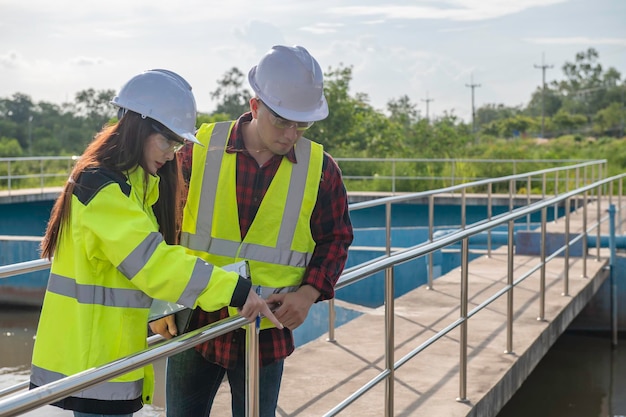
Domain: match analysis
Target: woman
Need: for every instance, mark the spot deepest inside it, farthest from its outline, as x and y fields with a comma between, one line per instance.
x=112, y=233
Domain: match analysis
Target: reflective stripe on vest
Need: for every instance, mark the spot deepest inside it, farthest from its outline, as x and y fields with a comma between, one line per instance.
x=108, y=391
x=202, y=240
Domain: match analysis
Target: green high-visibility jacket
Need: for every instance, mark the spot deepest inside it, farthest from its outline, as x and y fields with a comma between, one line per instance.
x=110, y=262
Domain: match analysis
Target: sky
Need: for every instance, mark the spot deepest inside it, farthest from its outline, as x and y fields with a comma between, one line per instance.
x=432, y=51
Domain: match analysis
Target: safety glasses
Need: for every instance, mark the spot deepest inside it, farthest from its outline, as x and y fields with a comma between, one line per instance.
x=280, y=123
x=166, y=142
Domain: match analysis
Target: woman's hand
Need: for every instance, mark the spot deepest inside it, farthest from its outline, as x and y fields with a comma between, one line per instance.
x=165, y=326
x=254, y=306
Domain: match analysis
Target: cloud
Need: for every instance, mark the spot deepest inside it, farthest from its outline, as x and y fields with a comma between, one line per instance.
x=83, y=61
x=10, y=60
x=322, y=28
x=578, y=40
x=456, y=10
x=260, y=34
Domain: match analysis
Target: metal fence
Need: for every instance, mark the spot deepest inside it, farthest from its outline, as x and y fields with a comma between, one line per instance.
x=581, y=196
x=371, y=174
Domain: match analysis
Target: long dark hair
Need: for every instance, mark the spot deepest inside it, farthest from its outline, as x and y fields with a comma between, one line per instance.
x=119, y=147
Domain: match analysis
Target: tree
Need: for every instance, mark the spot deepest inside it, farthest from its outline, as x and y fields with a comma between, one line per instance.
x=566, y=122
x=232, y=97
x=552, y=102
x=94, y=106
x=491, y=112
x=515, y=126
x=337, y=131
x=10, y=148
x=19, y=108
x=402, y=111
x=609, y=120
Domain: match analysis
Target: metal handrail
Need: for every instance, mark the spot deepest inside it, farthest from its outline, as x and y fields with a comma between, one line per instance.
x=52, y=392
x=42, y=175
x=57, y=390
x=461, y=235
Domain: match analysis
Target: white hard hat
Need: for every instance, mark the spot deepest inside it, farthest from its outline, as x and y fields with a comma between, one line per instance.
x=290, y=82
x=164, y=96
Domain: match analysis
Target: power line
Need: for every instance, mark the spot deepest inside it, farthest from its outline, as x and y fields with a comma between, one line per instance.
x=543, y=68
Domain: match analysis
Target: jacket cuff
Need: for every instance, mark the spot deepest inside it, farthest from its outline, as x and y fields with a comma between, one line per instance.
x=240, y=295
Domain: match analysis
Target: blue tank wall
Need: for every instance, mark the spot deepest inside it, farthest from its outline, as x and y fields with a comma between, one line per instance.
x=11, y=252
x=25, y=219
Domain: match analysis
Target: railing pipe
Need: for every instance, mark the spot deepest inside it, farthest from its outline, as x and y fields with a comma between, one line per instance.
x=542, y=275
x=598, y=215
x=489, y=214
x=614, y=289
x=463, y=317
x=619, y=207
x=556, y=193
x=49, y=393
x=23, y=267
x=431, y=228
x=252, y=369
x=584, y=242
x=577, y=185
x=567, y=245
x=354, y=275
x=331, y=320
x=389, y=341
x=463, y=209
x=511, y=192
x=389, y=323
x=528, y=190
x=509, y=283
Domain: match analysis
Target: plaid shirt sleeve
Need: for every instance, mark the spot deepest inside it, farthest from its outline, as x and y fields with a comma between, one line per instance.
x=332, y=231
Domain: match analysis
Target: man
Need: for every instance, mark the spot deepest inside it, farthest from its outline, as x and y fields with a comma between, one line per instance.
x=260, y=191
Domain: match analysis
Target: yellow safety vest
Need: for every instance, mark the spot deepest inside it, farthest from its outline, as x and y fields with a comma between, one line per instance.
x=278, y=245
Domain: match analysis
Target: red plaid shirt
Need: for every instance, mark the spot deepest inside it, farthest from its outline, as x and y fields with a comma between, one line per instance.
x=331, y=229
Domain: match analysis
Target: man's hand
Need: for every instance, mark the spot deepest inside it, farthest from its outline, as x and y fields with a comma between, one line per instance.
x=293, y=307
x=254, y=306
x=166, y=326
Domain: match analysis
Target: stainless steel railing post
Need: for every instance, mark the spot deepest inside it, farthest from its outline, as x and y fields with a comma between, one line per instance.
x=509, y=279
x=567, y=245
x=431, y=227
x=463, y=315
x=542, y=276
x=252, y=369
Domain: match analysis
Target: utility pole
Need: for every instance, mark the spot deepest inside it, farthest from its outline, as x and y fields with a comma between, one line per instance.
x=427, y=100
x=543, y=68
x=473, y=86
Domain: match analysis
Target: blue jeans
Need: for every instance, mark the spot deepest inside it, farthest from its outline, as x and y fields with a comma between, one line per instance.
x=79, y=414
x=192, y=383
